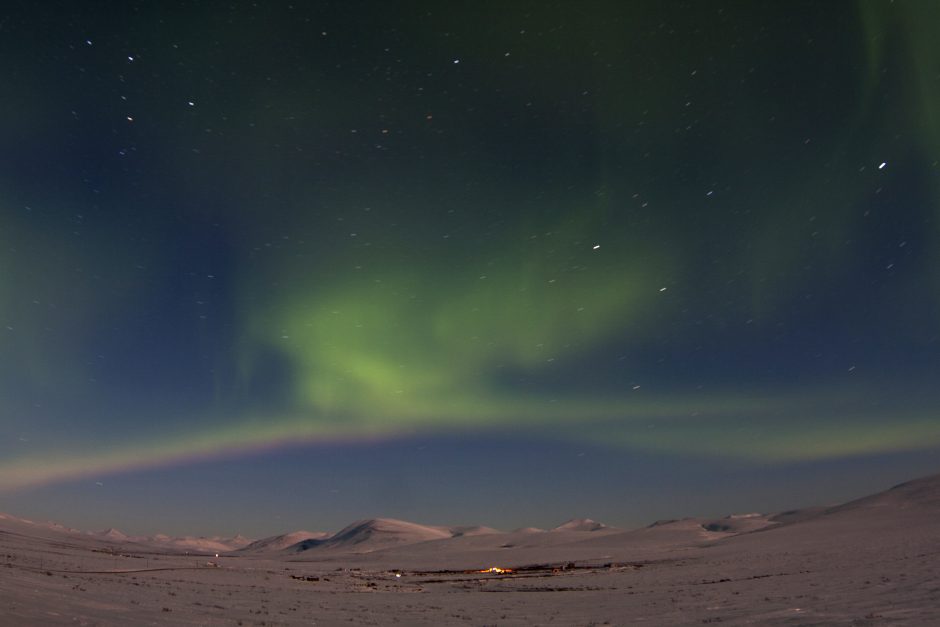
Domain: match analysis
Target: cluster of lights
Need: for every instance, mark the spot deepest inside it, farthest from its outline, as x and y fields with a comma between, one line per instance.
x=495, y=569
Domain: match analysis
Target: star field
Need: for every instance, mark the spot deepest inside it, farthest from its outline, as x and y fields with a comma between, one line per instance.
x=699, y=235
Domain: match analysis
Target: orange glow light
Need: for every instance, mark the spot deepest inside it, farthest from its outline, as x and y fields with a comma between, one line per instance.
x=495, y=569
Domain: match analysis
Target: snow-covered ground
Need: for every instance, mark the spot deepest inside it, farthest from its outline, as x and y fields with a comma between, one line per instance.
x=872, y=561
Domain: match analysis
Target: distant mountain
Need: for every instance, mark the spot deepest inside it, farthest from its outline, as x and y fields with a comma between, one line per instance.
x=30, y=524
x=917, y=494
x=368, y=535
x=916, y=497
x=737, y=523
x=111, y=534
x=213, y=544
x=238, y=540
x=280, y=542
x=581, y=524
x=913, y=505
x=662, y=522
x=797, y=515
x=459, y=532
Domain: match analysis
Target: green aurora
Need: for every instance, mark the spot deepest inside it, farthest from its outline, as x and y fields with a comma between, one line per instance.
x=653, y=202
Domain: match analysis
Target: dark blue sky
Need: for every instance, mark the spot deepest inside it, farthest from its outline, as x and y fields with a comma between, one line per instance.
x=489, y=263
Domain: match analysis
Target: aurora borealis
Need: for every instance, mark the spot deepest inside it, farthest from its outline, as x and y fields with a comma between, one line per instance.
x=309, y=240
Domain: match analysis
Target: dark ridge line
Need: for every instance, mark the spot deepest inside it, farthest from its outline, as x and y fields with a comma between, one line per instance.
x=34, y=569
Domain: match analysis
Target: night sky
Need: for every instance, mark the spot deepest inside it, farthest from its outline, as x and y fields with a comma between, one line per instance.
x=273, y=266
